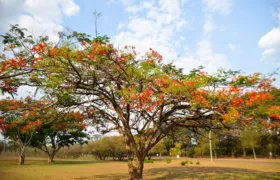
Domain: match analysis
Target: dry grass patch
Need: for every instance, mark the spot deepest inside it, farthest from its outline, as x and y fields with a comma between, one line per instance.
x=86, y=169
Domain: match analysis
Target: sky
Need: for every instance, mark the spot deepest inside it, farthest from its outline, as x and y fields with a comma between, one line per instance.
x=231, y=34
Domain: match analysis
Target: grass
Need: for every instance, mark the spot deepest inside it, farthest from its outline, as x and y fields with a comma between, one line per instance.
x=86, y=169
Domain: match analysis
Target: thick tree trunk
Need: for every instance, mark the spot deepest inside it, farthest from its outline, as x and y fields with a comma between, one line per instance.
x=254, y=153
x=135, y=166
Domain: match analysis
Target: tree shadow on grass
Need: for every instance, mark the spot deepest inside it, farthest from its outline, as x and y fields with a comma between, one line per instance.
x=199, y=173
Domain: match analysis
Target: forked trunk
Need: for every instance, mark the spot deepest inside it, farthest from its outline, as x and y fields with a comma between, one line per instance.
x=21, y=159
x=50, y=159
x=21, y=156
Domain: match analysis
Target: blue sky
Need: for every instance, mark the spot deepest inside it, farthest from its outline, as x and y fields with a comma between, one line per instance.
x=232, y=34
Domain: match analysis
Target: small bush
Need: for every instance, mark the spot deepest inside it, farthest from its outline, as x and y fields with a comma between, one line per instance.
x=197, y=163
x=191, y=162
x=148, y=161
x=75, y=156
x=168, y=160
x=186, y=162
x=183, y=163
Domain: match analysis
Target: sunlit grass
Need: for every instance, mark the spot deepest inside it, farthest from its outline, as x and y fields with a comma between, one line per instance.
x=87, y=168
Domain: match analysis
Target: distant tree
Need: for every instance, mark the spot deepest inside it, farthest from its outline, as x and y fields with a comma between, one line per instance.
x=168, y=143
x=113, y=147
x=177, y=150
x=250, y=138
x=118, y=148
x=229, y=143
x=59, y=130
x=202, y=146
x=157, y=150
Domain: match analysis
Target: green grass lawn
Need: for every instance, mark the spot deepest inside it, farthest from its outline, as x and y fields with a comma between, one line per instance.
x=86, y=168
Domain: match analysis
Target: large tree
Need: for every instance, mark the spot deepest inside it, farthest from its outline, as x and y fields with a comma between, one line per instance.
x=139, y=96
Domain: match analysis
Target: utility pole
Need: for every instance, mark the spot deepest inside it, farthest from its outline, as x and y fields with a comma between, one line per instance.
x=210, y=144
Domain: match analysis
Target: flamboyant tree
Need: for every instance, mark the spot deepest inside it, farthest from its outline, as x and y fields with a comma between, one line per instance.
x=59, y=130
x=139, y=96
x=18, y=121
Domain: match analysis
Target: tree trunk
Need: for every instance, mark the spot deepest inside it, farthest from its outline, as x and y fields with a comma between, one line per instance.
x=244, y=152
x=232, y=153
x=255, y=157
x=215, y=154
x=21, y=157
x=51, y=157
x=135, y=166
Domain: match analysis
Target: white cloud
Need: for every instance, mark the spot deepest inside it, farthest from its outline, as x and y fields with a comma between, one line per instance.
x=204, y=56
x=270, y=42
x=133, y=9
x=69, y=7
x=209, y=25
x=40, y=28
x=270, y=39
x=155, y=29
x=120, y=26
x=44, y=16
x=231, y=47
x=182, y=38
x=220, y=6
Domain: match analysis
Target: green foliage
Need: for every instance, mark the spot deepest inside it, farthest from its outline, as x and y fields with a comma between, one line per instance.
x=197, y=163
x=148, y=161
x=183, y=163
x=106, y=147
x=176, y=150
x=168, y=160
x=191, y=162
x=158, y=149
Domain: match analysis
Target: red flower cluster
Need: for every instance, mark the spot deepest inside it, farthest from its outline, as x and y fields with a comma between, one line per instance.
x=274, y=112
x=32, y=126
x=40, y=48
x=78, y=116
x=257, y=97
x=13, y=63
